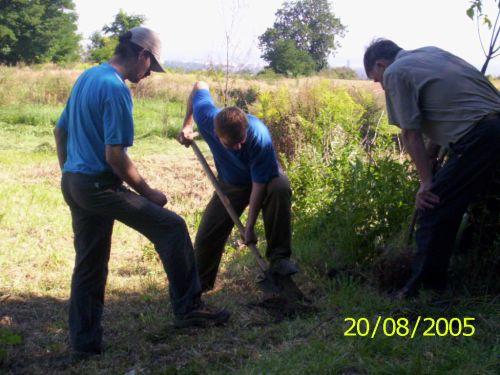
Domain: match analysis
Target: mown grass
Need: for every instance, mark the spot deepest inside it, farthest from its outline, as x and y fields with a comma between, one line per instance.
x=36, y=259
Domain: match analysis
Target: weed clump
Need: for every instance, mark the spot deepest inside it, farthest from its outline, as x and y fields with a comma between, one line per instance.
x=353, y=189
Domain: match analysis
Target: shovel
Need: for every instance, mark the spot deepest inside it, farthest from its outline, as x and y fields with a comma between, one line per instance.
x=267, y=281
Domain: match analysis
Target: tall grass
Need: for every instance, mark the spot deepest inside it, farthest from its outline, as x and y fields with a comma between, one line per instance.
x=52, y=84
x=353, y=187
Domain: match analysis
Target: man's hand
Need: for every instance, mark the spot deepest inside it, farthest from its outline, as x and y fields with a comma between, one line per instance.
x=250, y=236
x=157, y=197
x=425, y=198
x=186, y=136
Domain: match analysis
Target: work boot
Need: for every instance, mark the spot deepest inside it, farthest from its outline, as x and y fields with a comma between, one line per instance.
x=202, y=315
x=283, y=267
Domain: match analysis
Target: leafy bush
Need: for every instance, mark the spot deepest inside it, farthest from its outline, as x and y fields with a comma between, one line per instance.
x=244, y=97
x=348, y=209
x=353, y=191
x=268, y=74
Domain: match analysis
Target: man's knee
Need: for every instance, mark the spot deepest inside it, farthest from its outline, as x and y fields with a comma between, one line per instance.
x=174, y=221
x=279, y=186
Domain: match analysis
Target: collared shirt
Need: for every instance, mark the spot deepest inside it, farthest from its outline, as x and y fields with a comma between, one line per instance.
x=98, y=113
x=431, y=90
x=256, y=160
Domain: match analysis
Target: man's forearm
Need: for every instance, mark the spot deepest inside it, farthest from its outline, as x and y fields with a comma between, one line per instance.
x=416, y=148
x=188, y=118
x=256, y=198
x=61, y=137
x=125, y=169
x=432, y=149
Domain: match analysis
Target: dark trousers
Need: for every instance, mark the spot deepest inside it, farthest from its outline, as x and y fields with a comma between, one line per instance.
x=216, y=226
x=95, y=202
x=475, y=158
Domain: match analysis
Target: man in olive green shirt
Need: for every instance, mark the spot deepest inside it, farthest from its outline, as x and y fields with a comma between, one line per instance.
x=430, y=92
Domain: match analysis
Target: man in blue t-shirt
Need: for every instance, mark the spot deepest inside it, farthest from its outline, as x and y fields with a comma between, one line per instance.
x=92, y=136
x=249, y=175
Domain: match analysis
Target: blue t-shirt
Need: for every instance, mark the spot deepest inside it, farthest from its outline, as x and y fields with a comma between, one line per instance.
x=256, y=160
x=98, y=113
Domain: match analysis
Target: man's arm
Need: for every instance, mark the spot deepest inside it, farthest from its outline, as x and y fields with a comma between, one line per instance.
x=124, y=168
x=432, y=149
x=187, y=135
x=61, y=137
x=416, y=148
x=256, y=198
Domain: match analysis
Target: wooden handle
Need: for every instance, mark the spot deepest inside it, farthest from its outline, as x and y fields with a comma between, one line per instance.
x=227, y=204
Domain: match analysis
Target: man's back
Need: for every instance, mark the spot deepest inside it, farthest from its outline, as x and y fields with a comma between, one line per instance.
x=438, y=92
x=98, y=112
x=256, y=160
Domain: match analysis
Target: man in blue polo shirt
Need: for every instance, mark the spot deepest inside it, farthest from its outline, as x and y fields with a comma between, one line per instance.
x=92, y=136
x=249, y=175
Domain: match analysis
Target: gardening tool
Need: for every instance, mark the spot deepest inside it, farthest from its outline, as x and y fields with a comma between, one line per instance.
x=275, y=284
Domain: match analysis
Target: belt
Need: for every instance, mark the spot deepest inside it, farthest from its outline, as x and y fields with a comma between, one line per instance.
x=480, y=123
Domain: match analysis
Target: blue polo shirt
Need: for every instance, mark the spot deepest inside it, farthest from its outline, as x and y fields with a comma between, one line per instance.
x=256, y=160
x=98, y=113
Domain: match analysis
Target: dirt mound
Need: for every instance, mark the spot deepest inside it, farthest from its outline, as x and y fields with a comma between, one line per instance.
x=393, y=270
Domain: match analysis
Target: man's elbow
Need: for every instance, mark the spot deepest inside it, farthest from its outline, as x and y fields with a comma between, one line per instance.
x=114, y=156
x=59, y=134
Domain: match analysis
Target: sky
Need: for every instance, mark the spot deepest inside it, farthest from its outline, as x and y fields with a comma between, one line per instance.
x=196, y=30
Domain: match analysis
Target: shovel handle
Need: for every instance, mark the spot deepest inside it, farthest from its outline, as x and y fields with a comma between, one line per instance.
x=227, y=204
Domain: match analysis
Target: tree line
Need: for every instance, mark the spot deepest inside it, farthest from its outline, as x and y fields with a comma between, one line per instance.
x=305, y=33
x=38, y=31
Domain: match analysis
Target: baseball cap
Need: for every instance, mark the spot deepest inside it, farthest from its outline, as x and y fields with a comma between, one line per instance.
x=150, y=41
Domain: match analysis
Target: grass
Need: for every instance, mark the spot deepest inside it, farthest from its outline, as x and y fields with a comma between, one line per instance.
x=36, y=259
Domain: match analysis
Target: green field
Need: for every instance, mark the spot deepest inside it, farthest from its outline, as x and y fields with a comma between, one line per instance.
x=36, y=259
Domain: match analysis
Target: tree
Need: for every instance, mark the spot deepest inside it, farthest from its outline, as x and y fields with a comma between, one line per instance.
x=37, y=31
x=122, y=23
x=103, y=44
x=475, y=11
x=287, y=59
x=310, y=25
x=101, y=47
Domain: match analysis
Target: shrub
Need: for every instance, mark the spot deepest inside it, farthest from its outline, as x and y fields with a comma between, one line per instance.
x=347, y=208
x=353, y=192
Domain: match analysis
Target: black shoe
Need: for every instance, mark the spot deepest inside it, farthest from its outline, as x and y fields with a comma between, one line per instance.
x=283, y=267
x=202, y=315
